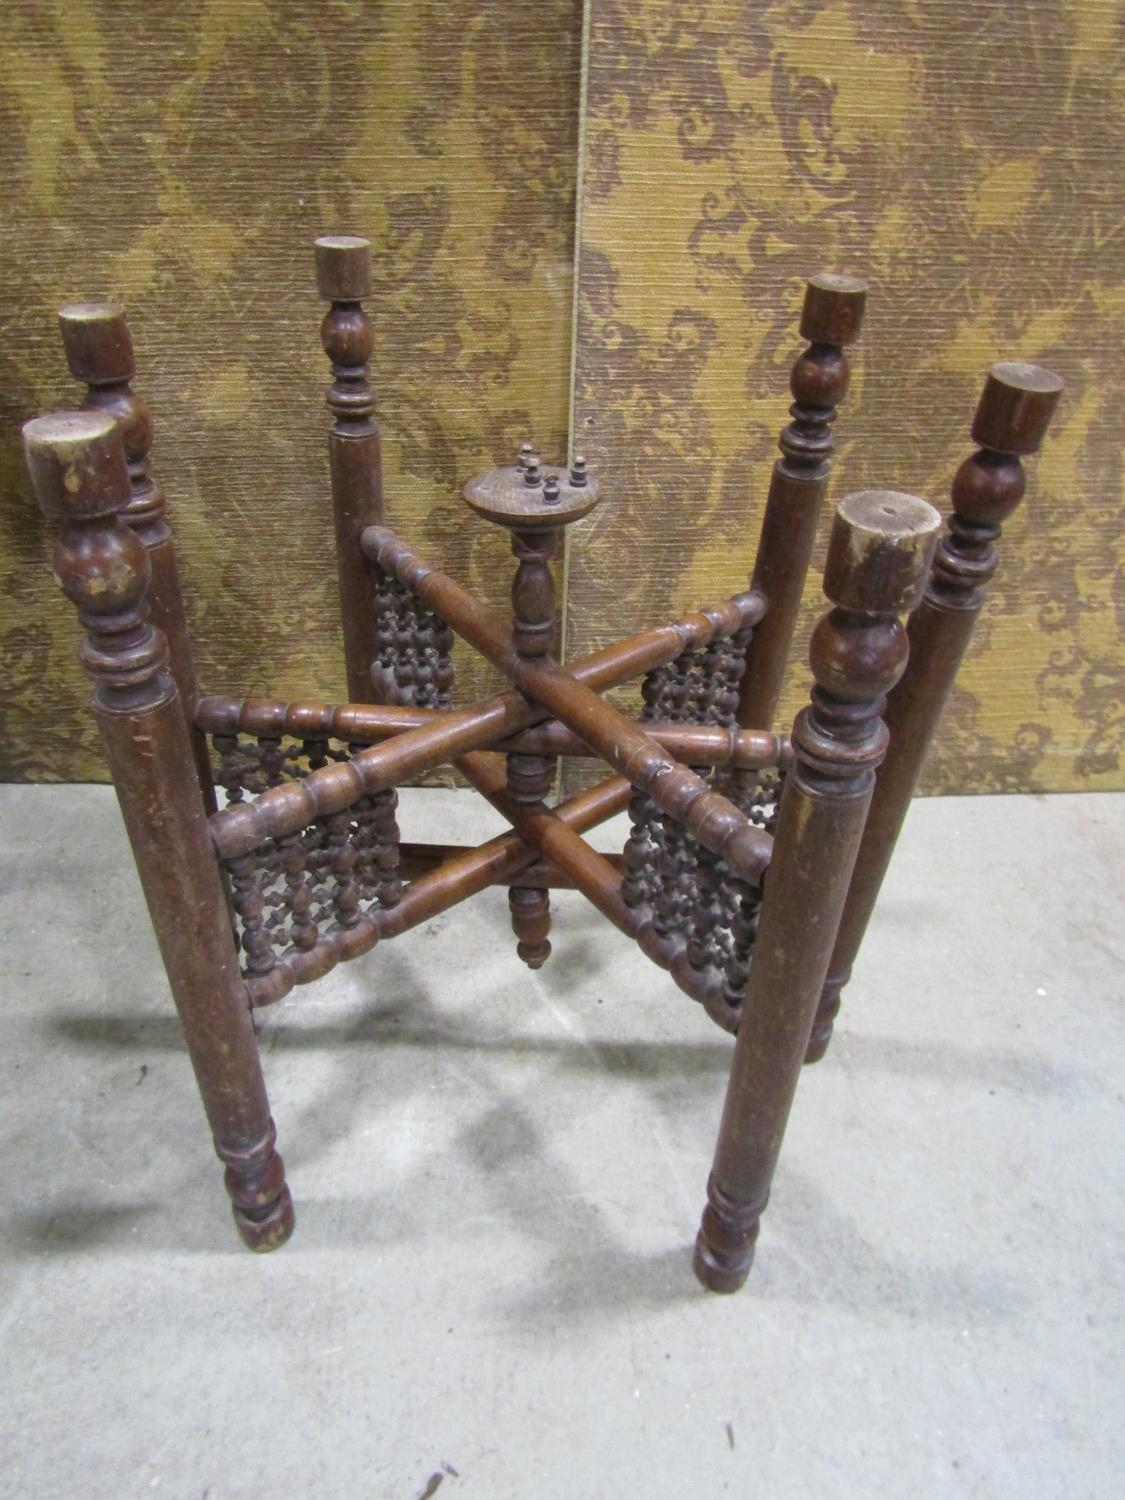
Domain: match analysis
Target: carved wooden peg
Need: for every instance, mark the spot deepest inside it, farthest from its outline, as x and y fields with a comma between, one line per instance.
x=833, y=310
x=880, y=551
x=1016, y=407
x=76, y=460
x=879, y=557
x=77, y=465
x=1013, y=414
x=343, y=273
x=343, y=267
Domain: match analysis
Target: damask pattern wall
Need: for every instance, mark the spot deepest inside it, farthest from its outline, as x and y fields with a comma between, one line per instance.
x=963, y=157
x=182, y=159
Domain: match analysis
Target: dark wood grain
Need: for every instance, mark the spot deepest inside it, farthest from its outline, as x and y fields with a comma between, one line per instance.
x=1014, y=411
x=858, y=652
x=78, y=469
x=831, y=318
x=99, y=352
x=343, y=275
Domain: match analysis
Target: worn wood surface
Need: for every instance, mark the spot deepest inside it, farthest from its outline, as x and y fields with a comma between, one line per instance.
x=858, y=652
x=78, y=468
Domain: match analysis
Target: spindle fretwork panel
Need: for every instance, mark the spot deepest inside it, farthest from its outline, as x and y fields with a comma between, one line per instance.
x=699, y=687
x=288, y=892
x=412, y=662
x=753, y=857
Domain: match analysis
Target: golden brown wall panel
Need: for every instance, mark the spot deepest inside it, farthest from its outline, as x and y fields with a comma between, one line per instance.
x=963, y=157
x=182, y=158
x=966, y=159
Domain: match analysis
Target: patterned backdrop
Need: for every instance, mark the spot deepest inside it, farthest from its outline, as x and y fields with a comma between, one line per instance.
x=183, y=158
x=963, y=157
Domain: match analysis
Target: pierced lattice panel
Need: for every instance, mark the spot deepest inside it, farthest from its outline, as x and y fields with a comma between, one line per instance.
x=700, y=686
x=413, y=666
x=289, y=891
x=693, y=898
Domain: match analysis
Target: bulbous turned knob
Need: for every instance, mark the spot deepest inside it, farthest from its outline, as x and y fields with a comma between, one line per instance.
x=76, y=460
x=530, y=496
x=879, y=558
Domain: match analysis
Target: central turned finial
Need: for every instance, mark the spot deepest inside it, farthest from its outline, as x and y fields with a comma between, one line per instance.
x=534, y=502
x=530, y=496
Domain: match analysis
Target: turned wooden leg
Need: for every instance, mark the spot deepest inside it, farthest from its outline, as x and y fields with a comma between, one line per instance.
x=1012, y=418
x=343, y=272
x=831, y=318
x=880, y=550
x=78, y=469
x=99, y=351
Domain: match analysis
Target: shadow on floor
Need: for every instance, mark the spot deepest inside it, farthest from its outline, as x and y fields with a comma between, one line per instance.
x=587, y=1272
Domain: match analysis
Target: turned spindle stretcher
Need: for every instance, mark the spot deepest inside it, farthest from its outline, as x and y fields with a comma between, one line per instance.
x=754, y=858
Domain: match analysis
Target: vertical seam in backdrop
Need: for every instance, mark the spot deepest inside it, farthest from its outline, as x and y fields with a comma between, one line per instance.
x=575, y=261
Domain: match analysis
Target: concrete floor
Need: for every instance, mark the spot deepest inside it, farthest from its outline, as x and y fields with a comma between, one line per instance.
x=498, y=1177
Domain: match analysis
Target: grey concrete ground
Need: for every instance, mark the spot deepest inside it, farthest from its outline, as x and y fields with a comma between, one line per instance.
x=498, y=1177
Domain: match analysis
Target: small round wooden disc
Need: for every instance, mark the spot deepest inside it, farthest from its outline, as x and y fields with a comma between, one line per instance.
x=504, y=496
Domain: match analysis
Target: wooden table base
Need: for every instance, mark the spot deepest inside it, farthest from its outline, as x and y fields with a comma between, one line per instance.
x=754, y=858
